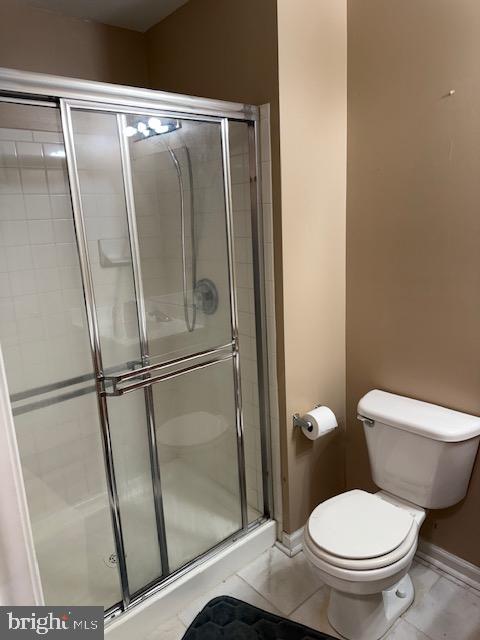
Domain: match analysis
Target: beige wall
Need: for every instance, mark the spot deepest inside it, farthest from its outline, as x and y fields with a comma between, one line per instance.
x=312, y=80
x=37, y=40
x=413, y=223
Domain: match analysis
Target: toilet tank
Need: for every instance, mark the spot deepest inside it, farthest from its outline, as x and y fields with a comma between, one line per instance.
x=419, y=451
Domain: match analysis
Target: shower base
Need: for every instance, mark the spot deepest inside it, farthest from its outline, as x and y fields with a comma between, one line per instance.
x=74, y=545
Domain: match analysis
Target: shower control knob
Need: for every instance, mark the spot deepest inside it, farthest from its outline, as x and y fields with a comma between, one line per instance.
x=206, y=296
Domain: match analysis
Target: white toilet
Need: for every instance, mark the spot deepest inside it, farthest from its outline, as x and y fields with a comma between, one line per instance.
x=362, y=544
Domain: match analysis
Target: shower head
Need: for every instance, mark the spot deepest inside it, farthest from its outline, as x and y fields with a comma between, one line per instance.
x=144, y=128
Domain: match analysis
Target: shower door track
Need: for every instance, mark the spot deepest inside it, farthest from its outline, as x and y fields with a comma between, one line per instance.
x=69, y=93
x=157, y=586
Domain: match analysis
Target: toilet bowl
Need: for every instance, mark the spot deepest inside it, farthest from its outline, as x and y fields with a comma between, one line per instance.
x=367, y=571
x=362, y=544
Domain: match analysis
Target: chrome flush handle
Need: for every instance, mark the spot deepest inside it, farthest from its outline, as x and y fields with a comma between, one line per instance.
x=366, y=421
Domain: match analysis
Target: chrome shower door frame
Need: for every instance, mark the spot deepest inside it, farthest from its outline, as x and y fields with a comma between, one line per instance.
x=121, y=101
x=94, y=334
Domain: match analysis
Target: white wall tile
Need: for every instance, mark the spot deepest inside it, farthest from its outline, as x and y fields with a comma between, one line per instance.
x=7, y=310
x=47, y=280
x=63, y=231
x=23, y=282
x=8, y=332
x=34, y=181
x=26, y=306
x=57, y=181
x=9, y=181
x=70, y=278
x=38, y=207
x=31, y=328
x=5, y=291
x=51, y=303
x=12, y=207
x=3, y=262
x=13, y=233
x=15, y=134
x=47, y=136
x=44, y=256
x=8, y=154
x=41, y=232
x=61, y=206
x=67, y=255
x=30, y=154
x=54, y=155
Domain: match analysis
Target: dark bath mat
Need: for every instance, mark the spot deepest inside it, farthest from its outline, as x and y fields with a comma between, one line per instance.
x=227, y=618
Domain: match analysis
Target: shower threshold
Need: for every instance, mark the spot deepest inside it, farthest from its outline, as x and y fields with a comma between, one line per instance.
x=177, y=591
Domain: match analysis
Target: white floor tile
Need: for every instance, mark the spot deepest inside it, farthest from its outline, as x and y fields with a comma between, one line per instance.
x=233, y=586
x=313, y=613
x=448, y=576
x=285, y=582
x=171, y=629
x=423, y=579
x=403, y=630
x=475, y=593
x=447, y=612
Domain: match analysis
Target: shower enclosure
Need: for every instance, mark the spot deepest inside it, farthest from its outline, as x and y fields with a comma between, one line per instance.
x=133, y=330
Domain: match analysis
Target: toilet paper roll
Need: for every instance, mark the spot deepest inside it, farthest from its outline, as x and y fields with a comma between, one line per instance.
x=323, y=421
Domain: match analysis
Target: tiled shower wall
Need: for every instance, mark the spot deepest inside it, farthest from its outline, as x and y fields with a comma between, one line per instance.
x=42, y=327
x=39, y=276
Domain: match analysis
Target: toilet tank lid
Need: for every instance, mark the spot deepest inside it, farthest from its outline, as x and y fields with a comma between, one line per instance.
x=416, y=416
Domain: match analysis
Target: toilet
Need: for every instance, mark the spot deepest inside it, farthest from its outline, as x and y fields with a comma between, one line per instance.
x=362, y=544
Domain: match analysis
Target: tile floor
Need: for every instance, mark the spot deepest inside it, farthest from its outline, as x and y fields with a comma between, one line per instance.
x=444, y=609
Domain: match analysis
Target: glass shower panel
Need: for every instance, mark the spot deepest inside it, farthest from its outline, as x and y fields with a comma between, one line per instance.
x=244, y=276
x=197, y=449
x=97, y=152
x=130, y=450
x=177, y=178
x=99, y=164
x=45, y=343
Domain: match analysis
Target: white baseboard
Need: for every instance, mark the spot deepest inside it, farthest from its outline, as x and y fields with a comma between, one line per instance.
x=146, y=617
x=291, y=543
x=450, y=564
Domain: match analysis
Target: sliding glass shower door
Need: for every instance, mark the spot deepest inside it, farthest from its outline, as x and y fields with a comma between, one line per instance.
x=154, y=215
x=123, y=235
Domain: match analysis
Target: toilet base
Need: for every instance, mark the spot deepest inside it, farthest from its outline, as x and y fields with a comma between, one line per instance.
x=368, y=617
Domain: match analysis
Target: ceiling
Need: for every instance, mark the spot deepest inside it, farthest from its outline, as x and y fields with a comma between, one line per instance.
x=139, y=15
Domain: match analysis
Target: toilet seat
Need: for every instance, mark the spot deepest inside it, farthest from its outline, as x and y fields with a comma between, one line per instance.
x=359, y=531
x=356, y=576
x=370, y=563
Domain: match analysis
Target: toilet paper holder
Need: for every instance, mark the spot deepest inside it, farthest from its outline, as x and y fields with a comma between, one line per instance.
x=299, y=421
